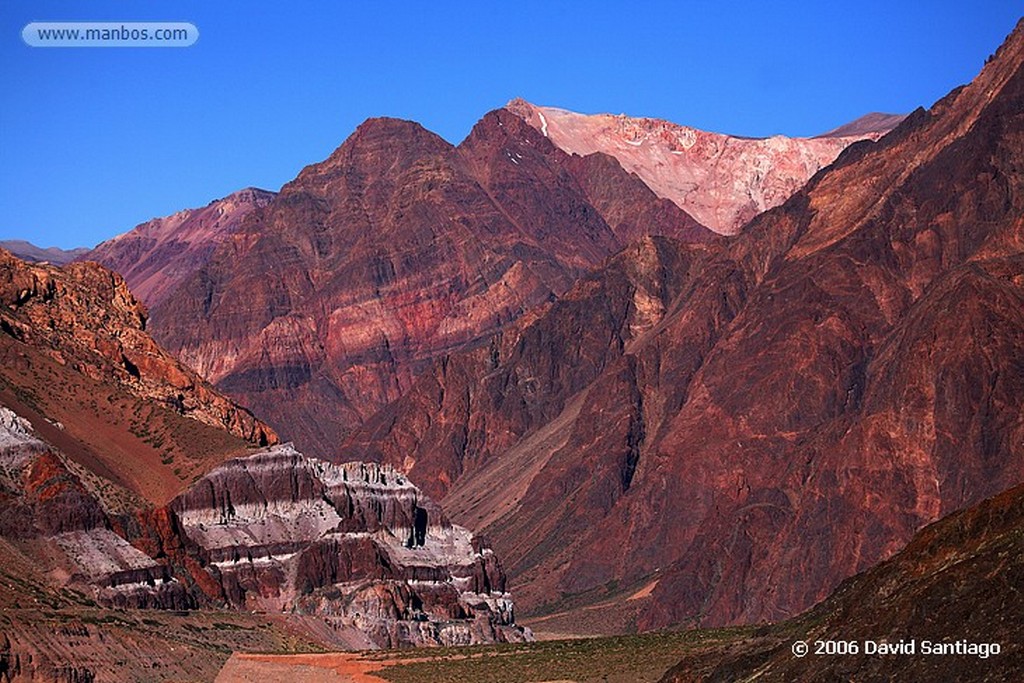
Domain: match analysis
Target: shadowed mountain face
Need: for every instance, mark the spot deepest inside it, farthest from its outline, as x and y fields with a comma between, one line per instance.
x=321, y=307
x=953, y=583
x=736, y=428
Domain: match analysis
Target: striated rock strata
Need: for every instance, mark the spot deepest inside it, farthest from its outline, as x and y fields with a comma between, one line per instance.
x=357, y=545
x=356, y=548
x=326, y=303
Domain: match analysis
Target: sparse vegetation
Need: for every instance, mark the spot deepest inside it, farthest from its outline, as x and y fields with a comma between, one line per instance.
x=618, y=659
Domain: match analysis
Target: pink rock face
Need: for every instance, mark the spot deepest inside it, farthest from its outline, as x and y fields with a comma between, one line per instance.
x=156, y=256
x=721, y=180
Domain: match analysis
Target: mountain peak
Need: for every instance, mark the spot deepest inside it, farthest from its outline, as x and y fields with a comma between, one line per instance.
x=869, y=124
x=722, y=181
x=399, y=131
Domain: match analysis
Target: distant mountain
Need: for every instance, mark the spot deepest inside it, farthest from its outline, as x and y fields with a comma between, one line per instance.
x=720, y=433
x=156, y=256
x=721, y=180
x=868, y=125
x=30, y=252
x=323, y=304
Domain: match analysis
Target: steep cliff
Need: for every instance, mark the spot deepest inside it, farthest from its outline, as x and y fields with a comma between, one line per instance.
x=349, y=556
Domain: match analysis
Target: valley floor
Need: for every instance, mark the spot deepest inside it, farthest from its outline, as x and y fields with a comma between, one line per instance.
x=619, y=659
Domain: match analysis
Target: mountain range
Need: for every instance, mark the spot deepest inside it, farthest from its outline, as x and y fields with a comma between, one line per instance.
x=667, y=377
x=30, y=252
x=320, y=305
x=720, y=433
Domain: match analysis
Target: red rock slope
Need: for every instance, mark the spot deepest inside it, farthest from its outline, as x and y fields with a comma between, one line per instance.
x=721, y=180
x=156, y=256
x=325, y=303
x=78, y=362
x=953, y=586
x=126, y=483
x=738, y=428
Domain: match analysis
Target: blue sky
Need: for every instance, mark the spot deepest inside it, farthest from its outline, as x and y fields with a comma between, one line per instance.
x=96, y=140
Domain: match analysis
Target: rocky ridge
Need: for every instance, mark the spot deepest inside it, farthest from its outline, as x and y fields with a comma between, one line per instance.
x=105, y=482
x=721, y=180
x=327, y=302
x=84, y=316
x=156, y=256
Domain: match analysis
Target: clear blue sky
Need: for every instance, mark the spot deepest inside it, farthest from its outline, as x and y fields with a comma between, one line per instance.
x=94, y=141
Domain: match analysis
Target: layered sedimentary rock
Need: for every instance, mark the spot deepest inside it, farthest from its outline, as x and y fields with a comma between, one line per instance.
x=325, y=303
x=101, y=433
x=355, y=544
x=355, y=554
x=54, y=508
x=721, y=180
x=726, y=439
x=156, y=256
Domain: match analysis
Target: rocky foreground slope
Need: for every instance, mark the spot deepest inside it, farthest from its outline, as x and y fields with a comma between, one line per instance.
x=355, y=548
x=127, y=483
x=721, y=433
x=78, y=361
x=953, y=586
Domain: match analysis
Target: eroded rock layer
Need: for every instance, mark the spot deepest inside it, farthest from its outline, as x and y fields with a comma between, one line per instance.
x=354, y=550
x=355, y=544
